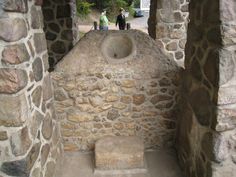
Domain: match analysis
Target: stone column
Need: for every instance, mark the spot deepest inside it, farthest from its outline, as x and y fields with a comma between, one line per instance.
x=29, y=134
x=206, y=139
x=60, y=27
x=168, y=26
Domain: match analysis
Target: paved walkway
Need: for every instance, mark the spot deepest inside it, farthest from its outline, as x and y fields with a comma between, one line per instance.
x=136, y=23
x=161, y=163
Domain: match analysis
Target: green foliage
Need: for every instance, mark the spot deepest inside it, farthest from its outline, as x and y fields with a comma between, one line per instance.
x=83, y=8
x=136, y=3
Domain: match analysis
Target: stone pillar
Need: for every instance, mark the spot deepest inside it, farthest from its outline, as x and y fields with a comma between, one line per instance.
x=60, y=27
x=168, y=26
x=29, y=134
x=206, y=139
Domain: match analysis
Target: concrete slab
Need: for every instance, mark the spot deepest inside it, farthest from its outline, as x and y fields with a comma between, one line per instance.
x=161, y=163
x=119, y=152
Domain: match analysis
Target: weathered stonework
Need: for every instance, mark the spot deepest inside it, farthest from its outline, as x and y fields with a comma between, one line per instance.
x=27, y=140
x=206, y=130
x=60, y=28
x=168, y=26
x=95, y=98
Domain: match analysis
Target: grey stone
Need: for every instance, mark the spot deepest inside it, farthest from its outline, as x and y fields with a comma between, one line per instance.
x=15, y=5
x=113, y=114
x=47, y=88
x=14, y=29
x=47, y=127
x=63, y=11
x=37, y=96
x=13, y=110
x=37, y=67
x=50, y=170
x=54, y=27
x=15, y=54
x=67, y=35
x=12, y=80
x=48, y=14
x=50, y=36
x=35, y=123
x=22, y=167
x=20, y=142
x=58, y=47
x=36, y=18
x=40, y=42
x=44, y=154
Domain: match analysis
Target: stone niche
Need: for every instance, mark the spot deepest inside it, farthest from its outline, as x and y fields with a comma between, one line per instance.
x=119, y=84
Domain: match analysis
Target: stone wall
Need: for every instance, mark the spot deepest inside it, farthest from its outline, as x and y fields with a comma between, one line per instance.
x=60, y=27
x=29, y=134
x=206, y=138
x=168, y=26
x=95, y=98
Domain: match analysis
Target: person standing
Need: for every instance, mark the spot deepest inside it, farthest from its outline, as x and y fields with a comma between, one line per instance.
x=103, y=22
x=120, y=20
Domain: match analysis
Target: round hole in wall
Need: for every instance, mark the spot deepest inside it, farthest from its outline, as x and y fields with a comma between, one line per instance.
x=118, y=47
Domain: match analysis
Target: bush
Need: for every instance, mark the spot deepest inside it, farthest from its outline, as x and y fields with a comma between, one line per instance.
x=83, y=8
x=136, y=3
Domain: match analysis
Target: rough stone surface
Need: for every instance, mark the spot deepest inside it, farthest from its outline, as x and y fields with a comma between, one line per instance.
x=168, y=26
x=20, y=142
x=15, y=5
x=112, y=153
x=13, y=110
x=14, y=29
x=37, y=67
x=15, y=54
x=95, y=98
x=24, y=166
x=12, y=80
x=61, y=28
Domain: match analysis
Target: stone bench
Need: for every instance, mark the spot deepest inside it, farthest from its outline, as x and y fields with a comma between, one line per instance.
x=119, y=153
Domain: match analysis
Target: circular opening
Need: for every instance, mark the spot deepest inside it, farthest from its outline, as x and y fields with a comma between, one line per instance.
x=118, y=47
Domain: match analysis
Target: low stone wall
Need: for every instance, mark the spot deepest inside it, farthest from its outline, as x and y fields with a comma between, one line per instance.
x=168, y=26
x=61, y=28
x=95, y=98
x=29, y=133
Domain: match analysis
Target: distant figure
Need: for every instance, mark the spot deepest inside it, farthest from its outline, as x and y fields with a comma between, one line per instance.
x=103, y=22
x=121, y=19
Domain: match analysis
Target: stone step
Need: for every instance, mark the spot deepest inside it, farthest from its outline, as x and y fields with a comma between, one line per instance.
x=119, y=153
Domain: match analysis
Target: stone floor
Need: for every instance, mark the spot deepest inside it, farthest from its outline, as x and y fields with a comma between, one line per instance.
x=160, y=163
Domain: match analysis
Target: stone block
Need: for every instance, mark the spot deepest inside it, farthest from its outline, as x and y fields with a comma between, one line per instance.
x=13, y=110
x=22, y=167
x=47, y=127
x=37, y=67
x=36, y=18
x=20, y=142
x=15, y=5
x=14, y=29
x=12, y=80
x=36, y=96
x=114, y=153
x=40, y=42
x=15, y=54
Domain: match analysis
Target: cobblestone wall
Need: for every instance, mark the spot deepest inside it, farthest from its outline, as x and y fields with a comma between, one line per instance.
x=168, y=26
x=29, y=134
x=95, y=98
x=60, y=27
x=206, y=138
